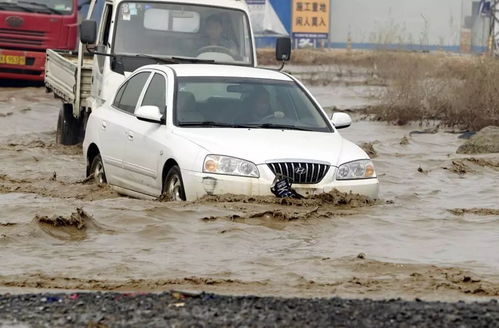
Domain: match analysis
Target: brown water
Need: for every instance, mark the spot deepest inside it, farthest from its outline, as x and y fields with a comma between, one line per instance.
x=434, y=234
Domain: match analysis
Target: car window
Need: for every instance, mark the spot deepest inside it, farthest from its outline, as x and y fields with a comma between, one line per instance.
x=246, y=101
x=156, y=93
x=119, y=94
x=131, y=92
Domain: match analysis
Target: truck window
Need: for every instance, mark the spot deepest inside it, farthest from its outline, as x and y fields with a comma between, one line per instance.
x=156, y=93
x=107, y=25
x=197, y=31
x=130, y=92
x=52, y=7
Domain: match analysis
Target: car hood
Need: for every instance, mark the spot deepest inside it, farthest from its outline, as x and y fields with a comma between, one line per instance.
x=267, y=145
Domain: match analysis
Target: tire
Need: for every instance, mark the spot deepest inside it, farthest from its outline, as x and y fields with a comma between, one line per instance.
x=173, y=186
x=69, y=128
x=97, y=170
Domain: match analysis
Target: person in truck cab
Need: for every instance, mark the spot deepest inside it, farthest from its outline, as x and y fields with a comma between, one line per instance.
x=214, y=37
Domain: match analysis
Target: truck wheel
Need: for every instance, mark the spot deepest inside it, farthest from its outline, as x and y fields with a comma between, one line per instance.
x=97, y=170
x=173, y=187
x=68, y=127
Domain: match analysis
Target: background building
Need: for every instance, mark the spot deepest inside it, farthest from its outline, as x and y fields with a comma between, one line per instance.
x=451, y=25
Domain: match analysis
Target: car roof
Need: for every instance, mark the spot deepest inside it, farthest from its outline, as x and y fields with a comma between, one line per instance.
x=211, y=70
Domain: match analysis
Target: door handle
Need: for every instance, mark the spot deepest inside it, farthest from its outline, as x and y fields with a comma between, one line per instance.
x=104, y=124
x=130, y=136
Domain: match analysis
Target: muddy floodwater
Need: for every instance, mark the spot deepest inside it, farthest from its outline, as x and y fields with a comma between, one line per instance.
x=433, y=234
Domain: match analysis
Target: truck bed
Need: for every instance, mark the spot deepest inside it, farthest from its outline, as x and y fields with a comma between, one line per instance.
x=60, y=75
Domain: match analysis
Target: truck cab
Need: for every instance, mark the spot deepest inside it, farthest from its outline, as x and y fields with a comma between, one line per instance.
x=132, y=34
x=135, y=32
x=28, y=29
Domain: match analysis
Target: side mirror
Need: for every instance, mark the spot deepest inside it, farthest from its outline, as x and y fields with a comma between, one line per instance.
x=341, y=120
x=88, y=31
x=149, y=114
x=283, y=49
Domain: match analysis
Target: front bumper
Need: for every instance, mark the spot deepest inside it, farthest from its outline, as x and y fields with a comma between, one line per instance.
x=198, y=184
x=32, y=70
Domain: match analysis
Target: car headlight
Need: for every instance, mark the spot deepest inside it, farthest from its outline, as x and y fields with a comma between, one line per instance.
x=363, y=169
x=230, y=166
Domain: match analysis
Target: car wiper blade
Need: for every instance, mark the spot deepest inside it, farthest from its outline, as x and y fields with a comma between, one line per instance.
x=214, y=124
x=41, y=5
x=281, y=126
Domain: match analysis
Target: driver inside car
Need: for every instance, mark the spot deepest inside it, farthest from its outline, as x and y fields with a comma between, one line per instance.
x=256, y=107
x=214, y=36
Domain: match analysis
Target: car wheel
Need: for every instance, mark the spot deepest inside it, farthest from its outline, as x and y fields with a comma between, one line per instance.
x=97, y=170
x=173, y=187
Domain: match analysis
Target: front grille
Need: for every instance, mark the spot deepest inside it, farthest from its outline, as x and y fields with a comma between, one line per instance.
x=20, y=37
x=301, y=173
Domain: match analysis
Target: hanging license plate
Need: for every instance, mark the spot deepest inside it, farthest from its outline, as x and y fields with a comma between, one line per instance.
x=282, y=189
x=12, y=60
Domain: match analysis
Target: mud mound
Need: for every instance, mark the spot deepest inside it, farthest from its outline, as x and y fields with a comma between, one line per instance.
x=333, y=198
x=368, y=147
x=404, y=141
x=72, y=283
x=368, y=277
x=485, y=141
x=484, y=162
x=278, y=216
x=459, y=167
x=337, y=198
x=45, y=144
x=73, y=227
x=462, y=166
x=273, y=212
x=475, y=211
x=50, y=186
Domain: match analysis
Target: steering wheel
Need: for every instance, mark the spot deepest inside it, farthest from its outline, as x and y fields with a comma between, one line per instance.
x=221, y=49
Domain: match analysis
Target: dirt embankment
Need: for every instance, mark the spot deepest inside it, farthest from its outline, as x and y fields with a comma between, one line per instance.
x=379, y=280
x=458, y=91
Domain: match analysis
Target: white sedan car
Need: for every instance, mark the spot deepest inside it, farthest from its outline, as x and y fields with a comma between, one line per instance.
x=190, y=130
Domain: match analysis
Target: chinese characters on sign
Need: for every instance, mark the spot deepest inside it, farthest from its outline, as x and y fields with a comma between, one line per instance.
x=310, y=21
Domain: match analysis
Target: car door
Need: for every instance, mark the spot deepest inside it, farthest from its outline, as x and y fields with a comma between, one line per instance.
x=114, y=124
x=144, y=148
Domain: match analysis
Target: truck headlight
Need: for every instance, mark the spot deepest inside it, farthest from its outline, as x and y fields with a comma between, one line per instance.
x=227, y=165
x=363, y=169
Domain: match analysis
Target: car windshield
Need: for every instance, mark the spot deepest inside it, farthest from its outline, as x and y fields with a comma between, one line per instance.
x=60, y=7
x=179, y=30
x=246, y=103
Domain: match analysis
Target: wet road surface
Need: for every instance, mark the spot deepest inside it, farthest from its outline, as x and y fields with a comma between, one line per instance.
x=433, y=234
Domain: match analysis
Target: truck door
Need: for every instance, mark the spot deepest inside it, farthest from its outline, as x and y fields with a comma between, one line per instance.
x=103, y=45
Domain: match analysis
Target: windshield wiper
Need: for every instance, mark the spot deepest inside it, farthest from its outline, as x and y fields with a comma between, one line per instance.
x=164, y=60
x=193, y=60
x=176, y=60
x=280, y=127
x=42, y=5
x=245, y=126
x=214, y=124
